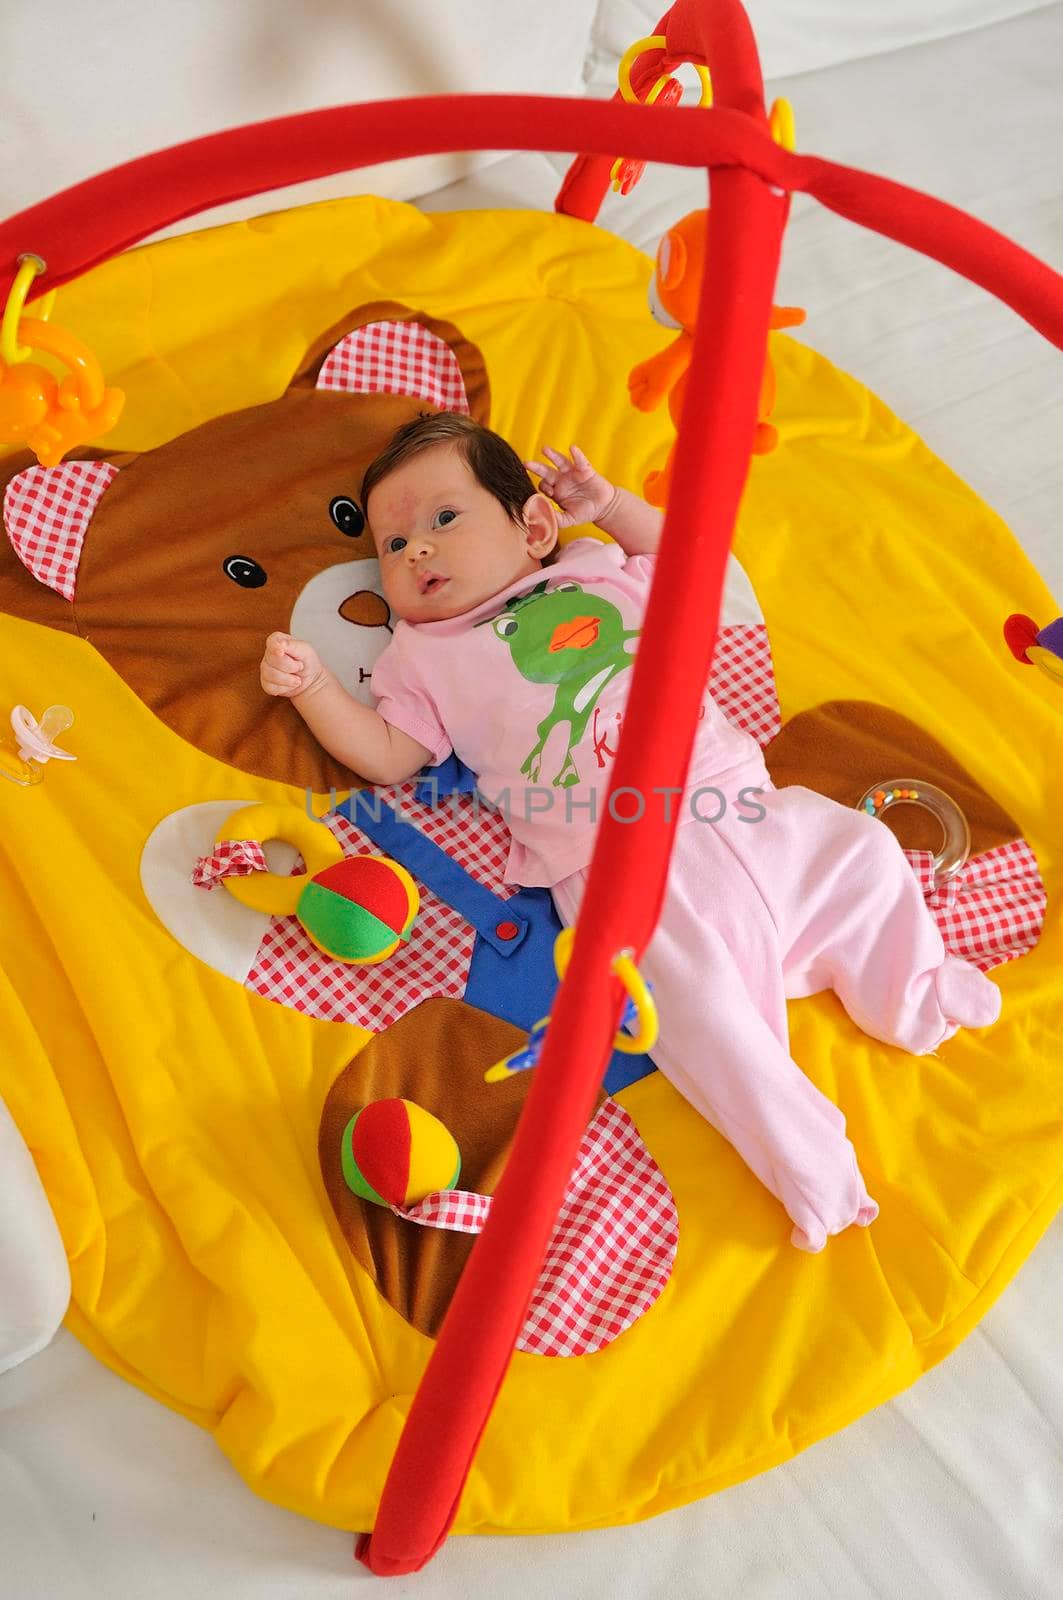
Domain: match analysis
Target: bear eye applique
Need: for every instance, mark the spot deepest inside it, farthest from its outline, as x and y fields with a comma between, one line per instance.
x=346, y=515
x=242, y=570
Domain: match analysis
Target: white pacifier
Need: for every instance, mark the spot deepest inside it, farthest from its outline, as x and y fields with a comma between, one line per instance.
x=35, y=742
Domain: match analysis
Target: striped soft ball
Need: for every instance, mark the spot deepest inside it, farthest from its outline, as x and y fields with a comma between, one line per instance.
x=359, y=909
x=394, y=1153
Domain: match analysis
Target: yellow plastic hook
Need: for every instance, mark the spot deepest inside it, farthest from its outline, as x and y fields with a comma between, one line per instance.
x=29, y=267
x=781, y=124
x=655, y=41
x=638, y=992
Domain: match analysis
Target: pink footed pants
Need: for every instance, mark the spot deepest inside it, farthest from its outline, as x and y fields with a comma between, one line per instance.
x=811, y=896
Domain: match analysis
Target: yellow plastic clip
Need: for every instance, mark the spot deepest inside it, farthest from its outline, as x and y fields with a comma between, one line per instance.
x=635, y=984
x=633, y=1044
x=781, y=124
x=655, y=41
x=626, y=171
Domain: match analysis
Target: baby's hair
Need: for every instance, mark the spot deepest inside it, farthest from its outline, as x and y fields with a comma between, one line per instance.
x=494, y=464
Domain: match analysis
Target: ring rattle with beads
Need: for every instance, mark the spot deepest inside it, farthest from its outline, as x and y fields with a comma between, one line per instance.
x=357, y=909
x=640, y=1014
x=956, y=840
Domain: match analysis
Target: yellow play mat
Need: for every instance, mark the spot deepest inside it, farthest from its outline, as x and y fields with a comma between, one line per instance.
x=174, y=1111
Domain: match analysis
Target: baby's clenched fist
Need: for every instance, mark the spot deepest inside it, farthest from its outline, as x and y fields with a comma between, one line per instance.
x=289, y=666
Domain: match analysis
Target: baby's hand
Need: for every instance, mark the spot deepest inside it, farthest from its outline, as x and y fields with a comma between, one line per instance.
x=581, y=492
x=289, y=666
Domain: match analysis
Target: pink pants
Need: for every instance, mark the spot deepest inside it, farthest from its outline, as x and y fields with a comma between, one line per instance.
x=813, y=896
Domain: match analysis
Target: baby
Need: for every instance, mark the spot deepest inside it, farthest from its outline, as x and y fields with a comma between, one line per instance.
x=516, y=654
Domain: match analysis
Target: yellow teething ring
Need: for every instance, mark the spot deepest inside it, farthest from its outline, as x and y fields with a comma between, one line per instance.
x=269, y=891
x=635, y=984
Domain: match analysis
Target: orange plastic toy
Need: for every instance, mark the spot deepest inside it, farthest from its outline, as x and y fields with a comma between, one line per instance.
x=50, y=415
x=674, y=301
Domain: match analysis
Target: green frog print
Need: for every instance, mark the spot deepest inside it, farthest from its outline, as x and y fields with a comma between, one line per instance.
x=576, y=640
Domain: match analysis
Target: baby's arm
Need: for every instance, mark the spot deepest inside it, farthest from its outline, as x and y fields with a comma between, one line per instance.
x=348, y=730
x=585, y=496
x=632, y=522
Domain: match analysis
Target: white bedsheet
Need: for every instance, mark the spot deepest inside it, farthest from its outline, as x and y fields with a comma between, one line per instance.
x=953, y=1491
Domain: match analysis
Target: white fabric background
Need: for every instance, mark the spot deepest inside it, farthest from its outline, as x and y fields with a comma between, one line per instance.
x=803, y=35
x=34, y=1276
x=954, y=1490
x=84, y=88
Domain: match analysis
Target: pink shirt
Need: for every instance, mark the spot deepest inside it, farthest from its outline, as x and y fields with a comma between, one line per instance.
x=529, y=691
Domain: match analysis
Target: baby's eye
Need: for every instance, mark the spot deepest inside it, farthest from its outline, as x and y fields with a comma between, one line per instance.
x=394, y=545
x=443, y=517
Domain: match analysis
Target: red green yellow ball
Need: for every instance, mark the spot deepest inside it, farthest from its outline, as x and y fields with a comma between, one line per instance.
x=359, y=909
x=394, y=1153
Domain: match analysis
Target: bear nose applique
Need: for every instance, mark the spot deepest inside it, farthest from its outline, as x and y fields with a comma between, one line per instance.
x=366, y=609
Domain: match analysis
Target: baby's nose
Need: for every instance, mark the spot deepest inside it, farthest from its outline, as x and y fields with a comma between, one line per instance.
x=417, y=549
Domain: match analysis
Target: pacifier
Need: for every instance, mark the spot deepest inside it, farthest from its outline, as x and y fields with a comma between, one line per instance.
x=35, y=744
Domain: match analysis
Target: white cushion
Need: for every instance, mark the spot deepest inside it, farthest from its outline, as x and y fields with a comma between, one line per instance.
x=34, y=1276
x=86, y=88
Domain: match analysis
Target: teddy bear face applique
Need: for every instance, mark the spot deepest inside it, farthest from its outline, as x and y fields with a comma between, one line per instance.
x=177, y=563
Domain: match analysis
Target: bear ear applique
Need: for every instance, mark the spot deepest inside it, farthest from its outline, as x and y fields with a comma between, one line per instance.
x=387, y=349
x=396, y=358
x=47, y=511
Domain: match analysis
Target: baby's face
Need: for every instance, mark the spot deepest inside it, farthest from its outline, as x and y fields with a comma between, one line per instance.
x=445, y=543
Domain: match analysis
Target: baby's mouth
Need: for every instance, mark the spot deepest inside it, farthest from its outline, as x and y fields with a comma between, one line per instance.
x=431, y=582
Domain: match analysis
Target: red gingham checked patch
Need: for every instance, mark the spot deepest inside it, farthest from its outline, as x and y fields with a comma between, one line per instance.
x=47, y=511
x=396, y=358
x=435, y=960
x=993, y=909
x=613, y=1245
x=230, y=858
x=742, y=681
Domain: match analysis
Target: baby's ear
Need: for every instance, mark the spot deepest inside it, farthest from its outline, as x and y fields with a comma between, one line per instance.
x=386, y=348
x=46, y=512
x=541, y=521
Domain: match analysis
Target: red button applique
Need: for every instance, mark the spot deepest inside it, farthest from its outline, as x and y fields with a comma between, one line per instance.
x=507, y=930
